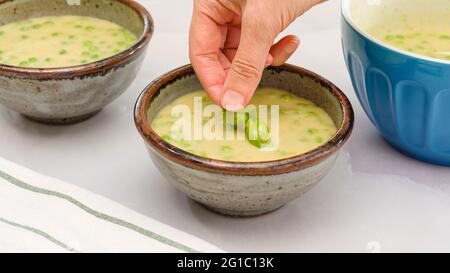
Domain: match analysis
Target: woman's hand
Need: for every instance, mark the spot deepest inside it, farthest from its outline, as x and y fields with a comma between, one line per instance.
x=232, y=41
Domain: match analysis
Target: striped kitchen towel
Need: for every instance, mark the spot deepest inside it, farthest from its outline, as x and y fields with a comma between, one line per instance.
x=42, y=214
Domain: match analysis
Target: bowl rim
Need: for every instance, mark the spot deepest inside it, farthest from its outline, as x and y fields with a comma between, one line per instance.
x=345, y=10
x=81, y=70
x=287, y=165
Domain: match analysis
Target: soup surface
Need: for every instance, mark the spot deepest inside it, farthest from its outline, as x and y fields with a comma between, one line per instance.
x=421, y=27
x=61, y=41
x=424, y=39
x=303, y=126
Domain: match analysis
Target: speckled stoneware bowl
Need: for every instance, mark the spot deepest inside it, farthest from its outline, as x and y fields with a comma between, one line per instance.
x=72, y=94
x=244, y=189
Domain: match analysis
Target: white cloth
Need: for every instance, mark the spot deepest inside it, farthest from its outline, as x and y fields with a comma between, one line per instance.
x=43, y=214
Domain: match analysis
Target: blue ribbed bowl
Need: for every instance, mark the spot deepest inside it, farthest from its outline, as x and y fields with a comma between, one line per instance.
x=406, y=96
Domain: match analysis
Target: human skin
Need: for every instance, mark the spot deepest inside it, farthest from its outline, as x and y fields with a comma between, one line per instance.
x=232, y=41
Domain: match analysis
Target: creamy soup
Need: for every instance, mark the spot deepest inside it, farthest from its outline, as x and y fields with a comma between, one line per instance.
x=417, y=26
x=61, y=41
x=303, y=126
x=424, y=39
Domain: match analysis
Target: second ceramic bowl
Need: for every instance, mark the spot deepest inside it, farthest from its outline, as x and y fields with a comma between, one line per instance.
x=72, y=94
x=236, y=188
x=405, y=95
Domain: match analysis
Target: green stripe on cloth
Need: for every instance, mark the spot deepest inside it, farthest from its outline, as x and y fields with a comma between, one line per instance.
x=21, y=184
x=38, y=232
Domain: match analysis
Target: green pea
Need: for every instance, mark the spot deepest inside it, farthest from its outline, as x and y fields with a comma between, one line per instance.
x=319, y=140
x=85, y=53
x=444, y=37
x=83, y=61
x=48, y=59
x=95, y=56
x=448, y=57
x=1, y=52
x=115, y=51
x=78, y=26
x=226, y=149
x=56, y=34
x=36, y=26
x=166, y=138
x=2, y=33
x=88, y=43
x=62, y=52
x=401, y=37
x=206, y=101
x=312, y=114
x=72, y=37
x=23, y=63
x=185, y=144
x=389, y=37
x=32, y=59
x=89, y=28
x=312, y=131
x=420, y=47
x=286, y=97
x=284, y=153
x=304, y=104
x=24, y=37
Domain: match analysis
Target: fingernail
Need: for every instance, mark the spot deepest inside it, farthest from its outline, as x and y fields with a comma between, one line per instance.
x=292, y=46
x=233, y=101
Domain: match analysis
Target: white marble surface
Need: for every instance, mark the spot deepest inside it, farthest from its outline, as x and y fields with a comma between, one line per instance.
x=374, y=199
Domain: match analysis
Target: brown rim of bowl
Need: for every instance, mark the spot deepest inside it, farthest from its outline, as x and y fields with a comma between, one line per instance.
x=81, y=70
x=240, y=168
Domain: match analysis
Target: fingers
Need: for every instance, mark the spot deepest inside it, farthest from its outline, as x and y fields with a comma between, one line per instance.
x=284, y=49
x=231, y=44
x=248, y=64
x=205, y=40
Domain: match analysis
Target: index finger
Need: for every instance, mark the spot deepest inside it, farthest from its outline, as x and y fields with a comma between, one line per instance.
x=204, y=48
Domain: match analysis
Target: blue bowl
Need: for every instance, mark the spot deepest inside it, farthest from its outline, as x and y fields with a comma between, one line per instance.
x=406, y=96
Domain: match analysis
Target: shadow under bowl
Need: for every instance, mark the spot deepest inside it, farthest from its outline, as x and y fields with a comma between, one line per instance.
x=238, y=188
x=72, y=94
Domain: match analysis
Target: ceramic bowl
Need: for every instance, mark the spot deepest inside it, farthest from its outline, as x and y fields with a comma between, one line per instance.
x=72, y=94
x=406, y=96
x=236, y=188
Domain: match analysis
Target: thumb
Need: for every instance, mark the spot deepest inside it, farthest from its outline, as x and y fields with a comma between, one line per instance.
x=248, y=65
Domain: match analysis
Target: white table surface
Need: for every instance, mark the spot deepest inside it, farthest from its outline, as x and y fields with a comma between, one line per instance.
x=374, y=199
